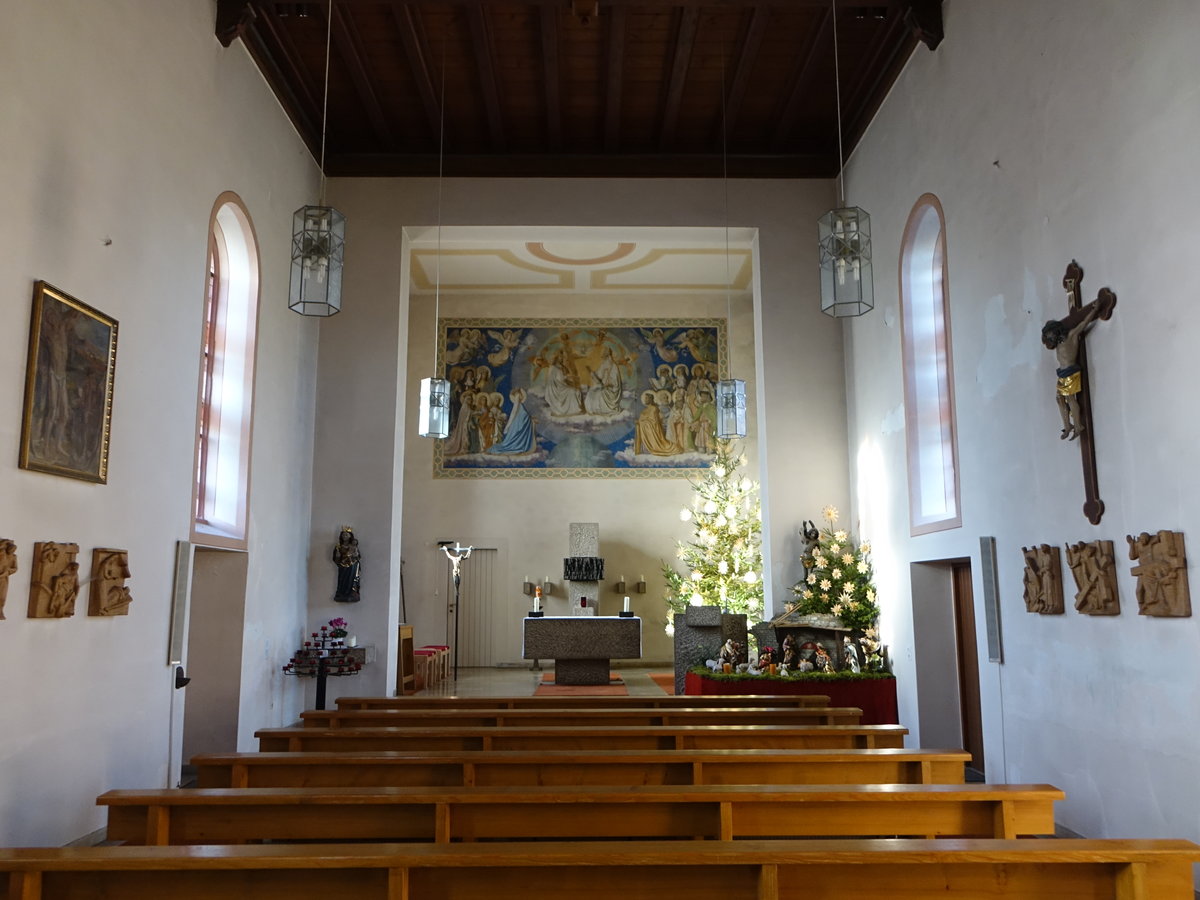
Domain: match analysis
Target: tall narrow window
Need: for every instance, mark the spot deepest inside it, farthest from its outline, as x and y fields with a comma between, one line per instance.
x=226, y=395
x=930, y=432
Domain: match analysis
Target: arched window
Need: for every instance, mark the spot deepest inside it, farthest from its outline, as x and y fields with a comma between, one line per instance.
x=930, y=429
x=226, y=399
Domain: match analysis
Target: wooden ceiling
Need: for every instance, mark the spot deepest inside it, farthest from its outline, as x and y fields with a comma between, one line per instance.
x=580, y=88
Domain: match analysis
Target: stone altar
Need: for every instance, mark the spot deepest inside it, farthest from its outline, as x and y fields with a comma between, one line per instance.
x=582, y=646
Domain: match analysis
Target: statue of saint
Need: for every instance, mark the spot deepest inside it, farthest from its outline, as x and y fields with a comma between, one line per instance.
x=349, y=563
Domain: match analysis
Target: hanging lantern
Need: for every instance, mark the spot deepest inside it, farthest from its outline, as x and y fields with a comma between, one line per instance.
x=435, y=408
x=731, y=408
x=845, y=251
x=318, y=245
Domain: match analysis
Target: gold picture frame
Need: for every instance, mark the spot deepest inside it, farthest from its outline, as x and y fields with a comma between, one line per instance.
x=68, y=387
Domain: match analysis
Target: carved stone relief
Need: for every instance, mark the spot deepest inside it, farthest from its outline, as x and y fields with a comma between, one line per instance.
x=1094, y=566
x=1162, y=583
x=1043, y=579
x=8, y=565
x=55, y=581
x=108, y=595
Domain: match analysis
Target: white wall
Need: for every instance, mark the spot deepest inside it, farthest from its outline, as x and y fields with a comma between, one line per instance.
x=123, y=121
x=1050, y=132
x=361, y=453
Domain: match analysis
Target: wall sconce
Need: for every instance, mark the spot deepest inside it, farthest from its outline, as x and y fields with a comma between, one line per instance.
x=619, y=587
x=640, y=587
x=527, y=587
x=547, y=586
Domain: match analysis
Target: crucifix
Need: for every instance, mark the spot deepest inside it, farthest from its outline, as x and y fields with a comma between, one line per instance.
x=1066, y=338
x=456, y=556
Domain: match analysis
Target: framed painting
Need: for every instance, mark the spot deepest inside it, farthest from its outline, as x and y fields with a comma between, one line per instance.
x=583, y=398
x=68, y=387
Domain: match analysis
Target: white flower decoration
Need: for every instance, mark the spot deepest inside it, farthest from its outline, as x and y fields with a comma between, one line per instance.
x=819, y=561
x=865, y=546
x=697, y=600
x=723, y=567
x=670, y=629
x=685, y=514
x=812, y=578
x=721, y=521
x=731, y=509
x=839, y=535
x=871, y=594
x=847, y=559
x=697, y=575
x=836, y=573
x=807, y=595
x=719, y=471
x=710, y=507
x=830, y=513
x=835, y=549
x=862, y=568
x=750, y=577
x=826, y=584
x=746, y=484
x=836, y=609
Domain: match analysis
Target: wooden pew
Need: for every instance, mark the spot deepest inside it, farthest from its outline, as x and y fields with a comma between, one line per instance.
x=709, y=870
x=668, y=701
x=560, y=717
x=616, y=737
x=233, y=816
x=563, y=768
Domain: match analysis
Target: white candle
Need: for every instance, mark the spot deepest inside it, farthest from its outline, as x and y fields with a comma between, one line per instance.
x=537, y=604
x=626, y=604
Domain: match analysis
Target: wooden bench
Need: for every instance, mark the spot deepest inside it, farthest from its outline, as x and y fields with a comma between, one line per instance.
x=615, y=737
x=563, y=768
x=715, y=812
x=709, y=870
x=560, y=717
x=599, y=702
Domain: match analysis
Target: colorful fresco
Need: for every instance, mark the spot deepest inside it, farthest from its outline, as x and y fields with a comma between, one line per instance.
x=589, y=398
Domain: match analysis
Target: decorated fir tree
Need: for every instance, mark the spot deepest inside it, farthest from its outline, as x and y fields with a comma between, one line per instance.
x=723, y=561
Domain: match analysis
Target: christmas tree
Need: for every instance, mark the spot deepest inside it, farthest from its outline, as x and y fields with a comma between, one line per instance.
x=723, y=561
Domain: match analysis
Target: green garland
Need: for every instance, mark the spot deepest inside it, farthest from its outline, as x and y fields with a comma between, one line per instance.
x=705, y=672
x=840, y=579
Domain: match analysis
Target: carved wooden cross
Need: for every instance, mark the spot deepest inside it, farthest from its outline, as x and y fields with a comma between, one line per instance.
x=1067, y=337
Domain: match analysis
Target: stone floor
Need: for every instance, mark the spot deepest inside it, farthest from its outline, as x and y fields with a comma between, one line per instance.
x=520, y=682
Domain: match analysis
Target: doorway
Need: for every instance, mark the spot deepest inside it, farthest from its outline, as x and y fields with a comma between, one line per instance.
x=214, y=651
x=947, y=664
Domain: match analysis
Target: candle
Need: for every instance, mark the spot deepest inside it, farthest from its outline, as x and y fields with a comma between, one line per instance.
x=537, y=603
x=626, y=604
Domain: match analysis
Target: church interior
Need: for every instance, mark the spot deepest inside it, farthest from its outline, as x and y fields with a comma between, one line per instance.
x=994, y=145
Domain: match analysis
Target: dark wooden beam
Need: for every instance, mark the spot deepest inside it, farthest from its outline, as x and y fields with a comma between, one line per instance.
x=806, y=66
x=747, y=54
x=681, y=57
x=350, y=49
x=924, y=19
x=551, y=77
x=233, y=17
x=275, y=55
x=606, y=5
x=898, y=51
x=707, y=165
x=417, y=53
x=615, y=78
x=481, y=43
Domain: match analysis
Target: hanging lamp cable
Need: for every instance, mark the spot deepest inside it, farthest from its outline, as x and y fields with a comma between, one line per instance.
x=725, y=180
x=437, y=280
x=325, y=99
x=837, y=94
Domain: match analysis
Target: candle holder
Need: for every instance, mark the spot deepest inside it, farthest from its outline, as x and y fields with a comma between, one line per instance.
x=536, y=613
